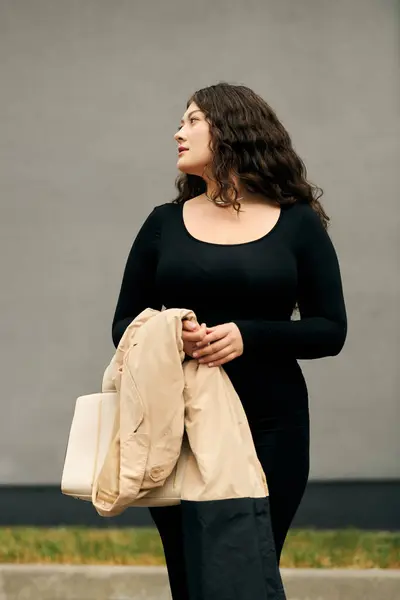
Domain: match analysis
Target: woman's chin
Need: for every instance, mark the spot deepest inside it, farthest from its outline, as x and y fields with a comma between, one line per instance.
x=188, y=168
x=185, y=168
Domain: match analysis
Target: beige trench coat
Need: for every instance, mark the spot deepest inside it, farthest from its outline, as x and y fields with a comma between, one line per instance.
x=181, y=432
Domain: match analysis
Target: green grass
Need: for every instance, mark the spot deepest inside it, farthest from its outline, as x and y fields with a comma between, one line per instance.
x=348, y=548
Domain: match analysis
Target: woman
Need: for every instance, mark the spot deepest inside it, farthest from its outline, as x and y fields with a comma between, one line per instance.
x=244, y=244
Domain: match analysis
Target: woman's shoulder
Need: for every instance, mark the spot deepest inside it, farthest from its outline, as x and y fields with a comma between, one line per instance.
x=304, y=225
x=160, y=212
x=165, y=209
x=300, y=210
x=158, y=216
x=303, y=216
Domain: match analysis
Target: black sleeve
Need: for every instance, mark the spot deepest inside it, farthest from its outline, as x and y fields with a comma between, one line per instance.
x=322, y=329
x=138, y=290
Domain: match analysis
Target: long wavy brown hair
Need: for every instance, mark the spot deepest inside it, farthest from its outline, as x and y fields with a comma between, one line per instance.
x=248, y=141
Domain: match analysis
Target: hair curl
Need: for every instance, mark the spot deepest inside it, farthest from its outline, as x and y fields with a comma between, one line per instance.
x=248, y=141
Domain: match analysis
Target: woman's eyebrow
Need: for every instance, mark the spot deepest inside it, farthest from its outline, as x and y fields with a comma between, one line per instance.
x=191, y=113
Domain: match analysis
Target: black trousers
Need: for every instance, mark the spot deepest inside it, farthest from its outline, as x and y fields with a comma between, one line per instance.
x=284, y=454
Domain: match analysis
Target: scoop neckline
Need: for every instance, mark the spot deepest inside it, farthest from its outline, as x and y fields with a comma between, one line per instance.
x=257, y=240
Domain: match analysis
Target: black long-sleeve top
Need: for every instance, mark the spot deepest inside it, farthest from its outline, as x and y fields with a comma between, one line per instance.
x=255, y=285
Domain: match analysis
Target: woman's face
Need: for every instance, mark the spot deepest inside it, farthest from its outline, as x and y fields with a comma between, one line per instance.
x=193, y=134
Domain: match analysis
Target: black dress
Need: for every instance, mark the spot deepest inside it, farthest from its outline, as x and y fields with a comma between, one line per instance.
x=256, y=285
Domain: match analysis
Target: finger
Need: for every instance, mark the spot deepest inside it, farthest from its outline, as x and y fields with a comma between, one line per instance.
x=211, y=348
x=214, y=358
x=200, y=333
x=193, y=336
x=189, y=335
x=193, y=326
x=189, y=325
x=214, y=354
x=213, y=337
x=223, y=361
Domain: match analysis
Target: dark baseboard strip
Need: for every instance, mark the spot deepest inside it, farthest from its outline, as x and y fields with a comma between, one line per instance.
x=373, y=505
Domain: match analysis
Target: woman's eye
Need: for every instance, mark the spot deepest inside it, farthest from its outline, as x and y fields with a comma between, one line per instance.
x=190, y=120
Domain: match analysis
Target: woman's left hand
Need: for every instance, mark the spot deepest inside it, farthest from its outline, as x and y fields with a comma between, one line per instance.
x=220, y=345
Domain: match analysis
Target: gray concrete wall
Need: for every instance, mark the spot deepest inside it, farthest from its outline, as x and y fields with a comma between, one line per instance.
x=91, y=95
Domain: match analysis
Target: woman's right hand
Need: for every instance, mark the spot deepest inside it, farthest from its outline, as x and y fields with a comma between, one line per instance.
x=192, y=333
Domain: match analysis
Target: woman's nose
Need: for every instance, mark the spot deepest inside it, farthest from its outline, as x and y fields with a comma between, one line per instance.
x=179, y=137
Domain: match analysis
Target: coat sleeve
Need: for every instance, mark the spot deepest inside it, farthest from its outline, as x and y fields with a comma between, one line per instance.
x=138, y=289
x=322, y=328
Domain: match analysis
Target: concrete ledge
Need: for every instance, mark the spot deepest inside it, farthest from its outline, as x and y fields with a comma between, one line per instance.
x=92, y=582
x=341, y=584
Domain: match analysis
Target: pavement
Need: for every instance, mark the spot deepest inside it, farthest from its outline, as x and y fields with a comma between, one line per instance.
x=92, y=582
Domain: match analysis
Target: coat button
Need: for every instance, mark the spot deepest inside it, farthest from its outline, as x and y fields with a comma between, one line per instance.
x=156, y=473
